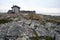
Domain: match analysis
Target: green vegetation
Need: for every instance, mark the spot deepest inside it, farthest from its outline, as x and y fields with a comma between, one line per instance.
x=2, y=21
x=49, y=38
x=43, y=22
x=53, y=19
x=35, y=17
x=36, y=35
x=35, y=26
x=35, y=38
x=42, y=37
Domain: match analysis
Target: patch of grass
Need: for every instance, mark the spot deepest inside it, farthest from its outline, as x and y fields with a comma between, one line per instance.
x=49, y=38
x=2, y=21
x=43, y=22
x=35, y=26
x=35, y=17
x=35, y=38
x=42, y=37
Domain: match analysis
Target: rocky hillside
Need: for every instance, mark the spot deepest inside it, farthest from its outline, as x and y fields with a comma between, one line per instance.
x=34, y=26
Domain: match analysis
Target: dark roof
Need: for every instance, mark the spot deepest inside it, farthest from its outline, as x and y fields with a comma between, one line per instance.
x=27, y=11
x=15, y=6
x=10, y=11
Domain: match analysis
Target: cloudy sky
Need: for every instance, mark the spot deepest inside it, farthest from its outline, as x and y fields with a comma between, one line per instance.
x=51, y=7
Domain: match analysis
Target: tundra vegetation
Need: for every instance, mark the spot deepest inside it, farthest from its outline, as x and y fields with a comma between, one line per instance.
x=37, y=18
x=2, y=21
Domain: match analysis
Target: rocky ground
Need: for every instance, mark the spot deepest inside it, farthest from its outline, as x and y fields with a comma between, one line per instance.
x=22, y=27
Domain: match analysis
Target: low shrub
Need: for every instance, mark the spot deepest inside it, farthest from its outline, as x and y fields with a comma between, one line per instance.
x=2, y=21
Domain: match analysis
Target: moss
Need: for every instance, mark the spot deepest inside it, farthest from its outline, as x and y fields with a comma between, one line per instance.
x=2, y=21
x=35, y=26
x=35, y=17
x=54, y=20
x=43, y=22
x=42, y=37
x=49, y=38
x=35, y=38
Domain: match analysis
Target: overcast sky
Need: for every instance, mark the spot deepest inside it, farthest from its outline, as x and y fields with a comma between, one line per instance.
x=51, y=7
